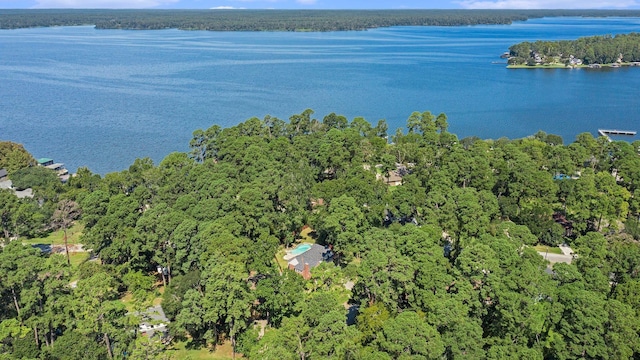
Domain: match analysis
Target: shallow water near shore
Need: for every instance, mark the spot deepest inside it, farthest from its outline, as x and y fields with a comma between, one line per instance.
x=101, y=98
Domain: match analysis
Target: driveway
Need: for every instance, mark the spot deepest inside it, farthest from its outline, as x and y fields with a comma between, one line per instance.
x=556, y=258
x=60, y=249
x=566, y=249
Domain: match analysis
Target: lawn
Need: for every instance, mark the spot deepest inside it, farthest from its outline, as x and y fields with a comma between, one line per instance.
x=57, y=237
x=308, y=235
x=548, y=249
x=179, y=351
x=75, y=258
x=282, y=263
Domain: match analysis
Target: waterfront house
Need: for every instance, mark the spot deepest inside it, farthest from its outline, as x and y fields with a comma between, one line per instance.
x=58, y=168
x=45, y=161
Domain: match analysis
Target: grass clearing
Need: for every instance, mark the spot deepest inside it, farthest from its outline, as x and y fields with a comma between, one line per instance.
x=57, y=237
x=127, y=299
x=181, y=350
x=130, y=302
x=308, y=235
x=548, y=249
x=157, y=301
x=282, y=263
x=76, y=258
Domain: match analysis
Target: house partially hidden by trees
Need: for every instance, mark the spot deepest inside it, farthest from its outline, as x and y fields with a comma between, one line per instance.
x=59, y=168
x=303, y=263
x=455, y=242
x=153, y=320
x=394, y=179
x=594, y=51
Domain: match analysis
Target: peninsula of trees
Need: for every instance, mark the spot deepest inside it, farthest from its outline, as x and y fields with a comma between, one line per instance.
x=622, y=49
x=279, y=20
x=433, y=240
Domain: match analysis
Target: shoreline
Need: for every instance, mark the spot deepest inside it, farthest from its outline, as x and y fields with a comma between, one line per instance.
x=562, y=66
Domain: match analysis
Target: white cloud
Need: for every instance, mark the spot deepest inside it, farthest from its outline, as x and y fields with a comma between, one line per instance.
x=226, y=8
x=547, y=4
x=102, y=4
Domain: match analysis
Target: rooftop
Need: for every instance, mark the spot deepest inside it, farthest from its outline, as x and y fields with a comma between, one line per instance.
x=314, y=256
x=55, y=166
x=6, y=184
x=153, y=319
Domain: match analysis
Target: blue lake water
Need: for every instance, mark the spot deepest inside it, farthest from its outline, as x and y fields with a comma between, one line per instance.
x=101, y=98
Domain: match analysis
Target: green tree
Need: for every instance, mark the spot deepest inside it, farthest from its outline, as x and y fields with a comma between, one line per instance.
x=370, y=321
x=279, y=296
x=343, y=225
x=98, y=312
x=581, y=325
x=44, y=181
x=621, y=334
x=333, y=121
x=204, y=144
x=386, y=276
x=14, y=157
x=592, y=262
x=8, y=208
x=73, y=345
x=222, y=304
x=408, y=335
x=19, y=267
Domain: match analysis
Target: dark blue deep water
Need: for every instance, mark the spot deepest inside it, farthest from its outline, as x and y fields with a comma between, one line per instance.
x=101, y=98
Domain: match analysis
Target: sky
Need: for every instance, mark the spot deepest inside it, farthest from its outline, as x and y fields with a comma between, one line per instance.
x=323, y=4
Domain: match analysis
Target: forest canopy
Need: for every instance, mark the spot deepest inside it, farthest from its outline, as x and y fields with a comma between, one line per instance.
x=14, y=157
x=279, y=20
x=607, y=49
x=432, y=245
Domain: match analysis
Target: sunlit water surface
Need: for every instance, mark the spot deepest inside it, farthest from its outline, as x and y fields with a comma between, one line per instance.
x=101, y=98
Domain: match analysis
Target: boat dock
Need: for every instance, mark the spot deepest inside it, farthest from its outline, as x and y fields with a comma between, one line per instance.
x=606, y=133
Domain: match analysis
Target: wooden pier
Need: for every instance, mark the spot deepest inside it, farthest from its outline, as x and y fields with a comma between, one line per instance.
x=606, y=133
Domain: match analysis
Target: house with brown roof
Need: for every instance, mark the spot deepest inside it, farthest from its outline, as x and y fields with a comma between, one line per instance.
x=394, y=179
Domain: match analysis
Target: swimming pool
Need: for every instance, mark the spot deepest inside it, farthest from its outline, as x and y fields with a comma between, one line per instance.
x=300, y=249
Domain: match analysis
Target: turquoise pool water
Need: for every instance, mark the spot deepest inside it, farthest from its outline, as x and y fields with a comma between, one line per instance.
x=300, y=249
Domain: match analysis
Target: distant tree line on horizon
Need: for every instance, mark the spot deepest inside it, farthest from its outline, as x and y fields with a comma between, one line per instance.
x=278, y=20
x=605, y=49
